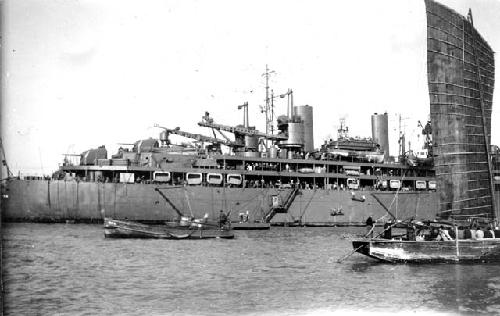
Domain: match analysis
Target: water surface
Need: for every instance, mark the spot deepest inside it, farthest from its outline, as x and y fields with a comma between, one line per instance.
x=71, y=269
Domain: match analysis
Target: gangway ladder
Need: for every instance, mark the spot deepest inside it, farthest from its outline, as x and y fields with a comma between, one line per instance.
x=283, y=208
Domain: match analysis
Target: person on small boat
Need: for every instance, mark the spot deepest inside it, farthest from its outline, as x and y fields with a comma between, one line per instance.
x=388, y=230
x=479, y=233
x=411, y=232
x=369, y=226
x=222, y=219
x=447, y=234
x=443, y=234
x=489, y=233
x=243, y=217
x=420, y=236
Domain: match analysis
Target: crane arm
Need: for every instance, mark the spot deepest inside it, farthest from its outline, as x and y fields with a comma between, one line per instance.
x=208, y=122
x=222, y=134
x=197, y=137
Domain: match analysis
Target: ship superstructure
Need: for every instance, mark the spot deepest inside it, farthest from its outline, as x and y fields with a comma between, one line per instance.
x=285, y=163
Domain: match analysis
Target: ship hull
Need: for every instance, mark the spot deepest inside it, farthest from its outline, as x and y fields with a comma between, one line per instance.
x=393, y=251
x=60, y=201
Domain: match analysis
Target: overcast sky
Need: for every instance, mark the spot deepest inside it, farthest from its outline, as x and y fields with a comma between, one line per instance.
x=79, y=74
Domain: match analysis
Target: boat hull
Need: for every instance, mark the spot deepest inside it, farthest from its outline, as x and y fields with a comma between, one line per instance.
x=396, y=251
x=129, y=229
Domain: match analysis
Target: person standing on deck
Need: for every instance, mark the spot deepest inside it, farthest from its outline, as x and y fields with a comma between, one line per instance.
x=369, y=226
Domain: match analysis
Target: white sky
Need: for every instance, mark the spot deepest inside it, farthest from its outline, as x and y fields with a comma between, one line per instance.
x=79, y=74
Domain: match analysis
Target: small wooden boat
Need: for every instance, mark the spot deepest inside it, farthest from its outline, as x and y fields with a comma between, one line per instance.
x=114, y=228
x=449, y=251
x=186, y=227
x=431, y=243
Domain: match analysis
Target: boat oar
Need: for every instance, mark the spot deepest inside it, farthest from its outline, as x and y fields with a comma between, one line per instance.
x=349, y=254
x=368, y=233
x=352, y=252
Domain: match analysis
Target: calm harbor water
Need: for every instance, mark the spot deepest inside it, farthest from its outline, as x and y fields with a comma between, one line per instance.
x=71, y=269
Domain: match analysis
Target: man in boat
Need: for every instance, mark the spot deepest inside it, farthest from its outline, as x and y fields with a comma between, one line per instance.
x=479, y=233
x=369, y=226
x=420, y=236
x=222, y=219
x=411, y=230
x=489, y=233
x=443, y=234
x=243, y=217
x=388, y=230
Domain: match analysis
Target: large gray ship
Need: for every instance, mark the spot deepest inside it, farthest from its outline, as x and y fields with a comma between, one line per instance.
x=280, y=178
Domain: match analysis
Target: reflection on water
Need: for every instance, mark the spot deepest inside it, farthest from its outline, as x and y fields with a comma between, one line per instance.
x=68, y=269
x=469, y=288
x=364, y=266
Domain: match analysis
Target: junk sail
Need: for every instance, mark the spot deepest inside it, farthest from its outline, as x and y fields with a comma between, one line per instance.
x=461, y=70
x=460, y=74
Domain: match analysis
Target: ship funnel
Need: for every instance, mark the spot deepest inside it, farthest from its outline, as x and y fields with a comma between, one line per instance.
x=305, y=112
x=380, y=132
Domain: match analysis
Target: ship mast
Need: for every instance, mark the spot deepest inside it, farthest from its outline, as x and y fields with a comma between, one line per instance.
x=343, y=130
x=402, y=137
x=269, y=108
